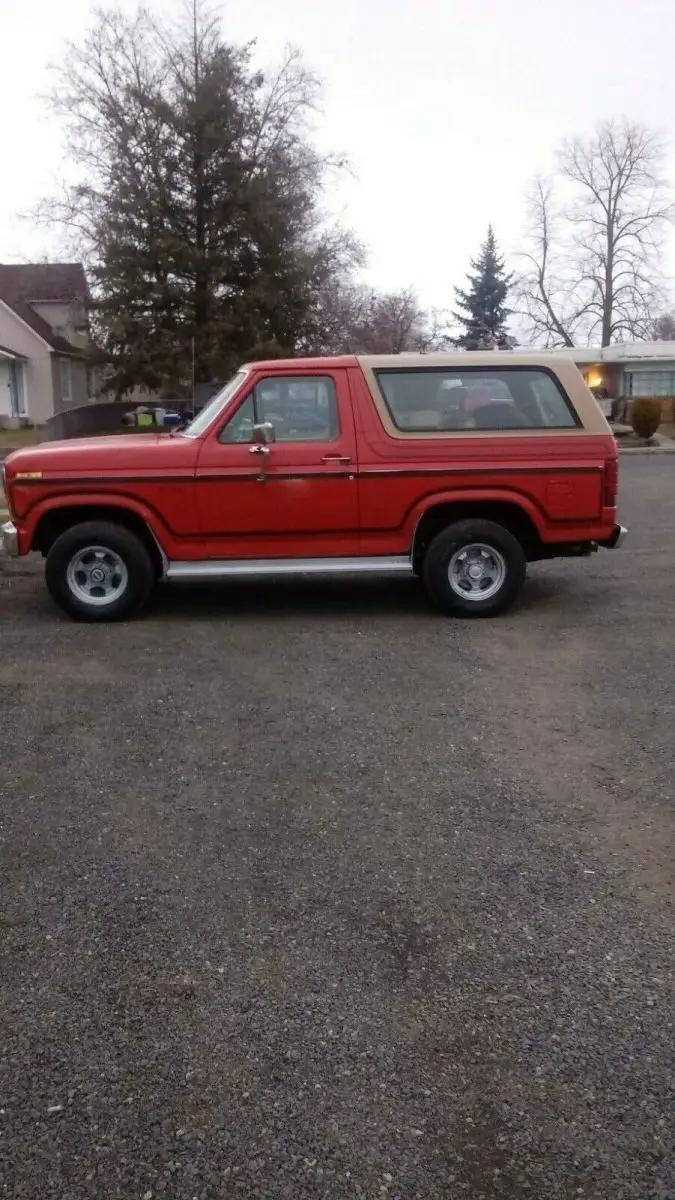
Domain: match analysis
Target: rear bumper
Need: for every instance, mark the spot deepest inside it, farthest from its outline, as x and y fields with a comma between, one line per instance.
x=617, y=539
x=10, y=539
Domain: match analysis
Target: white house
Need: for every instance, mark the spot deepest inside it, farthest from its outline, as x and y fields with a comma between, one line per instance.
x=631, y=369
x=44, y=335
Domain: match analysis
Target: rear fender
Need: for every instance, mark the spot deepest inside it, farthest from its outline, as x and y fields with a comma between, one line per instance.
x=466, y=498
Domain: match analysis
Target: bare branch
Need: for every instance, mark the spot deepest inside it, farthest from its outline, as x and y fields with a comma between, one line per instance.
x=597, y=272
x=620, y=213
x=539, y=290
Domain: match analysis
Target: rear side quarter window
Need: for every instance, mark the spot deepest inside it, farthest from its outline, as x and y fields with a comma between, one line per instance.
x=456, y=399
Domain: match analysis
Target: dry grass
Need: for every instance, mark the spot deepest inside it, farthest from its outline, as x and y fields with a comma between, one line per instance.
x=13, y=439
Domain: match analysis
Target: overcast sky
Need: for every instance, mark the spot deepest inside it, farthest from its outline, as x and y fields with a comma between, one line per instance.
x=445, y=109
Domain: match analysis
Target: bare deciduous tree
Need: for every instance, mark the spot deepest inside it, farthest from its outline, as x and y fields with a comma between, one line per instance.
x=592, y=270
x=663, y=329
x=542, y=288
x=393, y=322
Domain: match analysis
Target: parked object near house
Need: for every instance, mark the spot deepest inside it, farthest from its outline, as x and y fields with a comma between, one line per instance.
x=158, y=417
x=44, y=338
x=104, y=417
x=459, y=469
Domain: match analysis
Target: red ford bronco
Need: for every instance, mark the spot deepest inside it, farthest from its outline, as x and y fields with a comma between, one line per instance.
x=458, y=468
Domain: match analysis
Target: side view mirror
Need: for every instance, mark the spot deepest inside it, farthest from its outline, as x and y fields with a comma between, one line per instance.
x=264, y=433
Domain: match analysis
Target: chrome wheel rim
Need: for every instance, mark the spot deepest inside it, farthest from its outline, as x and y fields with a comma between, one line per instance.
x=477, y=571
x=97, y=576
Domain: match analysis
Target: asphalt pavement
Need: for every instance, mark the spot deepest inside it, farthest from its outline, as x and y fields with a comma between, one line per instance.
x=308, y=892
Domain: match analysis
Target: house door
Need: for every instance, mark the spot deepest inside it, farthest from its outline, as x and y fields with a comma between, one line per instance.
x=301, y=498
x=17, y=394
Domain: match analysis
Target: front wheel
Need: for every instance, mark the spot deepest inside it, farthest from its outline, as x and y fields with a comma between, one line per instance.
x=474, y=568
x=99, y=571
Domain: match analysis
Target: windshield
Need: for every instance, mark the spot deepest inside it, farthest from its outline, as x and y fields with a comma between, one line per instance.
x=219, y=402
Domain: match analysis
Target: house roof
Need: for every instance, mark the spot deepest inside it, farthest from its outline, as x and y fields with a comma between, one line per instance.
x=5, y=352
x=621, y=352
x=23, y=283
x=45, y=281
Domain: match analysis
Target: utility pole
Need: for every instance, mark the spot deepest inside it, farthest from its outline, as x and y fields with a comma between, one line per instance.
x=201, y=293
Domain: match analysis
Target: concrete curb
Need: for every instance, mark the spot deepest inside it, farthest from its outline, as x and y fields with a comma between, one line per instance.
x=647, y=450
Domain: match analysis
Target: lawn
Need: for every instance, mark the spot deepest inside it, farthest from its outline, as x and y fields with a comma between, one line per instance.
x=12, y=439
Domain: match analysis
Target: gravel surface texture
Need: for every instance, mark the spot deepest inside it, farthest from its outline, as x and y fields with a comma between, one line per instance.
x=308, y=892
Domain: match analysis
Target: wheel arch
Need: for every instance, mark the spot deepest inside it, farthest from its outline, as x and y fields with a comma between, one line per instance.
x=506, y=511
x=56, y=519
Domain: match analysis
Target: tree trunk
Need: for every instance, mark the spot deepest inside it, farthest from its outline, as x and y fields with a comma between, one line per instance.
x=608, y=304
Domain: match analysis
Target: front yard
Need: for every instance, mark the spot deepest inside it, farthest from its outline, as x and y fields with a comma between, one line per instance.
x=12, y=439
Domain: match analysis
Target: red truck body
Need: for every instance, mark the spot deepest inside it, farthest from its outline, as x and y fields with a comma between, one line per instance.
x=374, y=485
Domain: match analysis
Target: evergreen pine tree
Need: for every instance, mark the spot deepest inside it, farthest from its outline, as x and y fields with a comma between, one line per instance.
x=198, y=203
x=483, y=313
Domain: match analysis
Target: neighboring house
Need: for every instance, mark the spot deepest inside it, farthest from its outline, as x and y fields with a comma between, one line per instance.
x=44, y=335
x=631, y=369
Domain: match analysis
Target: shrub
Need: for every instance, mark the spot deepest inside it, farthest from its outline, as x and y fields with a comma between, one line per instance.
x=645, y=415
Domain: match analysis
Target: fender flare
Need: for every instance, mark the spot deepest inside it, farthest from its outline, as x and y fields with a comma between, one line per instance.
x=479, y=496
x=61, y=501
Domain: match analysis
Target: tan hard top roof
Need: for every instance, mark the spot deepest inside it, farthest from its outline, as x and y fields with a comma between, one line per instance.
x=464, y=358
x=459, y=358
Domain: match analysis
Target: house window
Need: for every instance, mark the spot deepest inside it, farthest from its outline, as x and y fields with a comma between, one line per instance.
x=66, y=379
x=650, y=383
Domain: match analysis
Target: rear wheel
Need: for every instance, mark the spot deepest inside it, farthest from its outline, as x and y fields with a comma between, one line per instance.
x=99, y=571
x=474, y=568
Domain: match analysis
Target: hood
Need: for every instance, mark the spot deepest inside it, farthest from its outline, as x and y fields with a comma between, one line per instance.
x=128, y=451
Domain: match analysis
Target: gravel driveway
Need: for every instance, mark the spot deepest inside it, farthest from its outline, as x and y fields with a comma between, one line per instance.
x=307, y=892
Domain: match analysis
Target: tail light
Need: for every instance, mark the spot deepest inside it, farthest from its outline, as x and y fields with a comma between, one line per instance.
x=611, y=485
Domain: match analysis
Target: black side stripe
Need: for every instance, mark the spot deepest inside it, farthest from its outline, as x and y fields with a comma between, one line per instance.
x=100, y=481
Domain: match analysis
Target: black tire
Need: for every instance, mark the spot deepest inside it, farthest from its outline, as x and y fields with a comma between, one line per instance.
x=449, y=542
x=123, y=544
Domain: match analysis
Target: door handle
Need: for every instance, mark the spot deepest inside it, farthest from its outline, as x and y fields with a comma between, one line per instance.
x=263, y=450
x=336, y=458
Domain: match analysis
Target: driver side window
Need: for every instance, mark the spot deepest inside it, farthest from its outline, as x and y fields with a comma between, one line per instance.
x=239, y=428
x=301, y=409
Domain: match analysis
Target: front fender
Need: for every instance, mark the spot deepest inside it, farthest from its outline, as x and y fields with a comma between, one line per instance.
x=29, y=515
